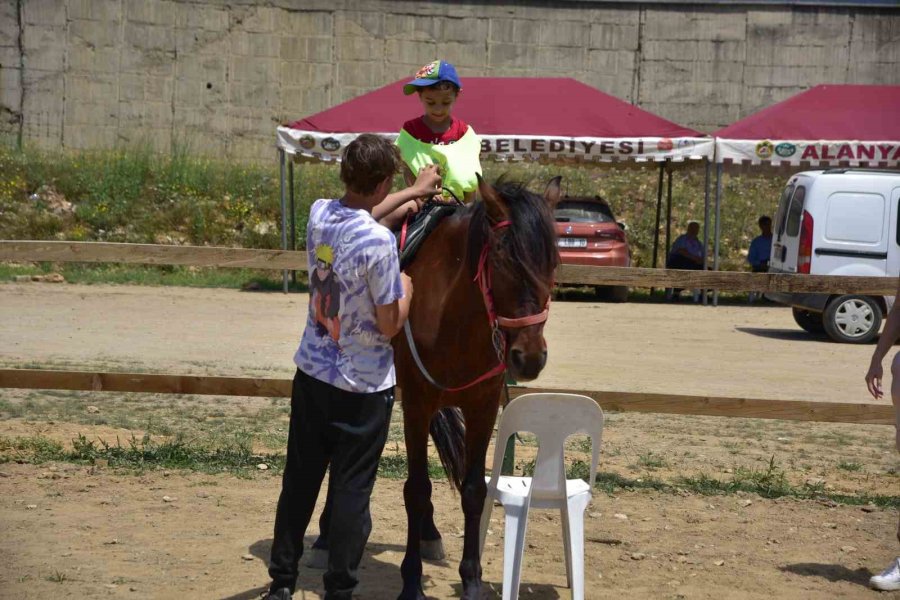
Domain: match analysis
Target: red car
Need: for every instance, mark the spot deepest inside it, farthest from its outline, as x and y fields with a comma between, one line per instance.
x=589, y=235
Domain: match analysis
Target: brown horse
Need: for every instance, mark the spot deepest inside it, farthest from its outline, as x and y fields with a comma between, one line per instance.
x=483, y=282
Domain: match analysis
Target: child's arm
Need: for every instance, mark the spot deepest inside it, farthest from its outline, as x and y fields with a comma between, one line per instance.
x=391, y=317
x=394, y=207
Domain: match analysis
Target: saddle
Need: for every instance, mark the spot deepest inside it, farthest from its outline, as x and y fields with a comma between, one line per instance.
x=417, y=227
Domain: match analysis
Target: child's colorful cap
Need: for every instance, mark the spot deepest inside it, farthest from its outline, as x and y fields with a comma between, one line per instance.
x=432, y=73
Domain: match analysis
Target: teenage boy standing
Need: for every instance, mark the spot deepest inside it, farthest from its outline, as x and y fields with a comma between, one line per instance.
x=343, y=390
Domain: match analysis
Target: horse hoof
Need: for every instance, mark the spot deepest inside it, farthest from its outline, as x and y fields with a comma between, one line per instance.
x=318, y=559
x=412, y=595
x=432, y=550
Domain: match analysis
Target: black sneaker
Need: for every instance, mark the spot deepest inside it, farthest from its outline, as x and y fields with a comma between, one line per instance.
x=279, y=594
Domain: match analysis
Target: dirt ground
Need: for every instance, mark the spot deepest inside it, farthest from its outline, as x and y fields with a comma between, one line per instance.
x=742, y=351
x=79, y=531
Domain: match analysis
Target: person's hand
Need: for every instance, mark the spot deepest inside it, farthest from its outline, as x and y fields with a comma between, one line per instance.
x=428, y=182
x=406, y=280
x=873, y=380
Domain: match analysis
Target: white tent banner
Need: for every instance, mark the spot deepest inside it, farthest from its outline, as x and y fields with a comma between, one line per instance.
x=328, y=146
x=818, y=152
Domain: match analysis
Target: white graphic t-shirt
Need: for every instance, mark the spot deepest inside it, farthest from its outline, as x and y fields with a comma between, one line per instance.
x=353, y=267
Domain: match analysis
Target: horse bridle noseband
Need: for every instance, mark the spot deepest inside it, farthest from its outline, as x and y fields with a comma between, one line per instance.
x=483, y=277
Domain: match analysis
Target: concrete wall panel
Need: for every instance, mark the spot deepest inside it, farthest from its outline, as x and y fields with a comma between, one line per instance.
x=223, y=73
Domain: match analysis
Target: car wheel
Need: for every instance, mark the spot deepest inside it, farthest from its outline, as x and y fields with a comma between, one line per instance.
x=809, y=321
x=852, y=319
x=618, y=293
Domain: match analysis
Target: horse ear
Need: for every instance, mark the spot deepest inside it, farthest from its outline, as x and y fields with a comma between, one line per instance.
x=494, y=204
x=553, y=192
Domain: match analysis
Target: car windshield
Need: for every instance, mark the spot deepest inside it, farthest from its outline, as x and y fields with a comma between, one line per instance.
x=583, y=212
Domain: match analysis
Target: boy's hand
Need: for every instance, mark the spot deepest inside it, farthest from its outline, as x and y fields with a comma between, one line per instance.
x=428, y=183
x=406, y=280
x=873, y=380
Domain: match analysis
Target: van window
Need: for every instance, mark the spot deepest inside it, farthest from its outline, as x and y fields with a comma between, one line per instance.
x=795, y=211
x=782, y=209
x=855, y=217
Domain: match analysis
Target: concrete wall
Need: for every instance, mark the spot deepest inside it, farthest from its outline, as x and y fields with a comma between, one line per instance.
x=221, y=75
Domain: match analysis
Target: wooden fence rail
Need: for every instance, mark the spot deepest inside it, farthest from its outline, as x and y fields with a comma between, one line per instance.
x=203, y=256
x=790, y=410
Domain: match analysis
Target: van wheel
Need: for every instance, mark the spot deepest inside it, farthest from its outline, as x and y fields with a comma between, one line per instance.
x=809, y=321
x=852, y=319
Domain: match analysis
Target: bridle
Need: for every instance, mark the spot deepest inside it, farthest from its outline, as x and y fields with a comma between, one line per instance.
x=483, y=277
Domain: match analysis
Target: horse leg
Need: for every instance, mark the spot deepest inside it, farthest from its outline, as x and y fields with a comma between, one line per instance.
x=432, y=546
x=416, y=494
x=479, y=427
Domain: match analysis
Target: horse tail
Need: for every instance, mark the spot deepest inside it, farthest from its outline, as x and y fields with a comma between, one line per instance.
x=448, y=430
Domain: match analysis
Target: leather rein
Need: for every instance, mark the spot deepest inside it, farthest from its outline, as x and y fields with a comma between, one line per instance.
x=483, y=277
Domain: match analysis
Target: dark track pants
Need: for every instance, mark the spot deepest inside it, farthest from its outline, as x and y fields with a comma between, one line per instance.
x=347, y=430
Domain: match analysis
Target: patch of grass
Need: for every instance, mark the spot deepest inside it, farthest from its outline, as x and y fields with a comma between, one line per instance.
x=57, y=577
x=651, y=461
x=36, y=449
x=164, y=275
x=142, y=454
x=395, y=466
x=849, y=466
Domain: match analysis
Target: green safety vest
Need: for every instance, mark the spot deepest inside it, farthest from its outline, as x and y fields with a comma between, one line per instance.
x=458, y=161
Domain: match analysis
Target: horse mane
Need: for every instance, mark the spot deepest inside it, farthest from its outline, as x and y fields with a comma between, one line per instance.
x=529, y=247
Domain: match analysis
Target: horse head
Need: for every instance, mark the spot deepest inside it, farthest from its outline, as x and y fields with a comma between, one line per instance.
x=518, y=250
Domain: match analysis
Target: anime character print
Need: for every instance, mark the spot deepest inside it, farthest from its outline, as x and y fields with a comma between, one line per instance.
x=325, y=294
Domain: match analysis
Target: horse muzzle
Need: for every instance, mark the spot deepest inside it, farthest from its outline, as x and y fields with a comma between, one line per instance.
x=525, y=366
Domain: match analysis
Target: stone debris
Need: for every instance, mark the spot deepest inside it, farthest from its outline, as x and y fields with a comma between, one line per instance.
x=248, y=557
x=746, y=503
x=848, y=549
x=621, y=516
x=169, y=499
x=262, y=467
x=719, y=563
x=829, y=525
x=93, y=409
x=638, y=556
x=31, y=506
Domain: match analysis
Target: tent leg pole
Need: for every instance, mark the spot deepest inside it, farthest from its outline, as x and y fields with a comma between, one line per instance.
x=284, y=239
x=718, y=227
x=293, y=216
x=706, y=226
x=659, y=190
x=668, y=211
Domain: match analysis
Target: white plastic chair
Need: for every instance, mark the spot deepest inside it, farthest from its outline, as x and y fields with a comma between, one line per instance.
x=552, y=418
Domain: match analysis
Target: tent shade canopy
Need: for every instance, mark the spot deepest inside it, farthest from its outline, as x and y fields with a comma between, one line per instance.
x=828, y=125
x=541, y=119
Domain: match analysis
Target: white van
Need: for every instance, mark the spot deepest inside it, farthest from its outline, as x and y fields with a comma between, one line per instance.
x=838, y=222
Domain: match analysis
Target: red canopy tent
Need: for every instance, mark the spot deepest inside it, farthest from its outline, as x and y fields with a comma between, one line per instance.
x=828, y=125
x=517, y=118
x=825, y=126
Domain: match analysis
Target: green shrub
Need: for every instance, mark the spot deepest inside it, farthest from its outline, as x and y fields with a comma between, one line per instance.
x=135, y=195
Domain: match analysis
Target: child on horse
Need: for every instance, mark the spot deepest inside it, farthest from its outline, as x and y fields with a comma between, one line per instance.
x=343, y=389
x=437, y=137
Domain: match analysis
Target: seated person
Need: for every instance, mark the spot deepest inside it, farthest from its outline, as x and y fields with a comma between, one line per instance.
x=686, y=253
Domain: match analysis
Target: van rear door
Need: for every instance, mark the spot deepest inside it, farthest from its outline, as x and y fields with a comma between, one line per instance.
x=854, y=236
x=786, y=244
